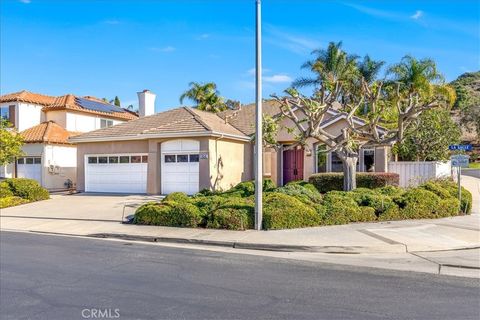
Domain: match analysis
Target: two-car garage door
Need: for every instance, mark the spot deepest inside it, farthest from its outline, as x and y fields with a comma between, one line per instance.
x=122, y=173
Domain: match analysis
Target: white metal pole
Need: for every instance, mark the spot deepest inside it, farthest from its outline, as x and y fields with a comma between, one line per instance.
x=258, y=120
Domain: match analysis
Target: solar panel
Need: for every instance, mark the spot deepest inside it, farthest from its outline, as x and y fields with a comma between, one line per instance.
x=97, y=106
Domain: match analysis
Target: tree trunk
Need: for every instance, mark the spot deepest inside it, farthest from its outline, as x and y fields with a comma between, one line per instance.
x=349, y=173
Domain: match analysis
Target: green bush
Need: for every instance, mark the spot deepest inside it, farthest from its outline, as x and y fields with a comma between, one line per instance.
x=341, y=208
x=304, y=192
x=232, y=214
x=281, y=211
x=452, y=188
x=326, y=182
x=27, y=189
x=247, y=188
x=168, y=213
x=177, y=197
x=448, y=207
x=418, y=203
x=11, y=201
x=391, y=191
x=372, y=198
x=5, y=190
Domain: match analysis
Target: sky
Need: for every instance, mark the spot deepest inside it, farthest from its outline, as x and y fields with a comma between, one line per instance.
x=117, y=48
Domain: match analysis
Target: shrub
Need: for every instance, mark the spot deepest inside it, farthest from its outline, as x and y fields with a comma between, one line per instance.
x=448, y=207
x=391, y=191
x=452, y=188
x=168, y=213
x=325, y=182
x=281, y=211
x=5, y=190
x=372, y=198
x=27, y=189
x=247, y=188
x=418, y=203
x=177, y=197
x=436, y=188
x=11, y=201
x=341, y=208
x=305, y=192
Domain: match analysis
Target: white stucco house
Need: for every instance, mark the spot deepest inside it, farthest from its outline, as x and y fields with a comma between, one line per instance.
x=46, y=123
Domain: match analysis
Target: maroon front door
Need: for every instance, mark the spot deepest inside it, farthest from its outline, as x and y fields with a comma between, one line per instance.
x=292, y=165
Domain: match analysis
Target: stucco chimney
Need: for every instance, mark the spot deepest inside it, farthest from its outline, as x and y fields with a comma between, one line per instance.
x=146, y=103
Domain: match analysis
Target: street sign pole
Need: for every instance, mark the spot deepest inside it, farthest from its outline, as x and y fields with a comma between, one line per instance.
x=459, y=181
x=258, y=121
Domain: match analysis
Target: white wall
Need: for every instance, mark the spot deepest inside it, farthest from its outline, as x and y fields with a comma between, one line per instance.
x=63, y=158
x=413, y=173
x=59, y=116
x=28, y=115
x=79, y=122
x=7, y=171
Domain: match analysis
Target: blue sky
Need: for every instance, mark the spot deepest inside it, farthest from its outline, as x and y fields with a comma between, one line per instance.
x=108, y=48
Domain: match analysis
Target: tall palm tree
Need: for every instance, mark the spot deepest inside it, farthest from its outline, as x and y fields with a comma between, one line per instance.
x=330, y=66
x=370, y=68
x=205, y=96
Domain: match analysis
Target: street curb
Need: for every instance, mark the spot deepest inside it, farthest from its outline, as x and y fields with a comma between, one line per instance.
x=390, y=248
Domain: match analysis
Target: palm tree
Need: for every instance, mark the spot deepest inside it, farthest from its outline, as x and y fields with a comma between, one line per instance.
x=205, y=96
x=370, y=68
x=332, y=65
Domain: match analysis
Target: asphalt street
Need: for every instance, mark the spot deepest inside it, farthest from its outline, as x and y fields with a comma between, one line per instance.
x=50, y=277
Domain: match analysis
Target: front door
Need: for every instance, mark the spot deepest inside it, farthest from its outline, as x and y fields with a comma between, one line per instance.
x=292, y=165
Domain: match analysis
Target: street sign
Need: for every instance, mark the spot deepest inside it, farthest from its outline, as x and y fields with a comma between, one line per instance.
x=461, y=147
x=459, y=160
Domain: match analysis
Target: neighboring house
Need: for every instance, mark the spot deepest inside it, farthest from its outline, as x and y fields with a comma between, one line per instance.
x=46, y=123
x=188, y=150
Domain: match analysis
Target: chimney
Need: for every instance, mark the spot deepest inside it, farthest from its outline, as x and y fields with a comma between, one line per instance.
x=146, y=103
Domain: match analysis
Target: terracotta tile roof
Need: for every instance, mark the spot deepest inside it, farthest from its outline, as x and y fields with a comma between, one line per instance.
x=175, y=121
x=29, y=97
x=47, y=132
x=71, y=102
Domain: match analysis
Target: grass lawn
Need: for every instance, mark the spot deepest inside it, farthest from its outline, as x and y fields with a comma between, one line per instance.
x=474, y=165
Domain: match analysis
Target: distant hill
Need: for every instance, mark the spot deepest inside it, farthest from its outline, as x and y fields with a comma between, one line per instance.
x=467, y=106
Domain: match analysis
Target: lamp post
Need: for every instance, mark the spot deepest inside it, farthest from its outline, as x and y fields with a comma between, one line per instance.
x=258, y=119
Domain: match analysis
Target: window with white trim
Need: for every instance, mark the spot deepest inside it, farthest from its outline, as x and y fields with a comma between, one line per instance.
x=105, y=123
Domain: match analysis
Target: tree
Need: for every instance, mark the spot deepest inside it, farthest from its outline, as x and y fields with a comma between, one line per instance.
x=412, y=87
x=429, y=136
x=116, y=101
x=467, y=104
x=10, y=142
x=205, y=96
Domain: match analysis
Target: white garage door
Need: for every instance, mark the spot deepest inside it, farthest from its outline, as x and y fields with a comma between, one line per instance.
x=180, y=166
x=122, y=173
x=30, y=167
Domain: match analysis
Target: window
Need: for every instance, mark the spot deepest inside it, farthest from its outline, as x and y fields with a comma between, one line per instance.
x=37, y=160
x=20, y=160
x=112, y=159
x=169, y=158
x=182, y=158
x=92, y=159
x=104, y=123
x=29, y=161
x=102, y=159
x=322, y=157
x=5, y=113
x=194, y=158
x=337, y=165
x=144, y=159
x=136, y=159
x=124, y=159
x=369, y=160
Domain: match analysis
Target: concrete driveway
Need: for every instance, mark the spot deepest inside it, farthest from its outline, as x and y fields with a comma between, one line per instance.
x=82, y=206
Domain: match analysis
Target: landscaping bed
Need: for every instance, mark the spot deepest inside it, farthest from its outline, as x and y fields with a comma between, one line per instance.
x=300, y=204
x=18, y=191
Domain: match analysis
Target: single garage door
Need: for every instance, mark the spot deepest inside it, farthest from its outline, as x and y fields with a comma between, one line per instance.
x=180, y=166
x=120, y=173
x=30, y=167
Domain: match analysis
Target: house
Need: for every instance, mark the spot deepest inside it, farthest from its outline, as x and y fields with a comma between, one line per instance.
x=185, y=149
x=46, y=123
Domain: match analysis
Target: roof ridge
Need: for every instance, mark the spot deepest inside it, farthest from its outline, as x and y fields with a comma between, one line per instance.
x=46, y=131
x=198, y=118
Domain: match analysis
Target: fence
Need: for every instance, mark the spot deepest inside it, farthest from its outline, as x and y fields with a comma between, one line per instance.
x=413, y=173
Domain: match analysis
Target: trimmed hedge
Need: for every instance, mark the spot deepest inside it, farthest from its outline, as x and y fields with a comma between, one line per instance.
x=247, y=188
x=232, y=214
x=27, y=189
x=326, y=182
x=305, y=192
x=11, y=201
x=281, y=211
x=168, y=213
x=177, y=196
x=5, y=190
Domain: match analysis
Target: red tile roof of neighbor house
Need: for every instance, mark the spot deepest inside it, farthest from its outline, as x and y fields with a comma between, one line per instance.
x=47, y=132
x=66, y=102
x=183, y=120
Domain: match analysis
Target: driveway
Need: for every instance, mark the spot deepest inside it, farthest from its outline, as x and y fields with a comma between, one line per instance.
x=82, y=206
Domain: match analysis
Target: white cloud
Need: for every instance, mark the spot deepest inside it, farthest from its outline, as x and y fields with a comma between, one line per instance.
x=25, y=1
x=295, y=43
x=277, y=78
x=203, y=36
x=112, y=22
x=417, y=15
x=164, y=49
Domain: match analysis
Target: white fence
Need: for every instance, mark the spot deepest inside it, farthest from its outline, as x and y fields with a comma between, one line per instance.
x=413, y=173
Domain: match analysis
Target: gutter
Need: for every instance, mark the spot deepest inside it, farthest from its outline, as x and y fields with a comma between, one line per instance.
x=159, y=135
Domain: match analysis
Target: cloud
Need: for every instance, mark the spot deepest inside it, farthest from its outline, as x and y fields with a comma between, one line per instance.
x=164, y=49
x=112, y=22
x=203, y=36
x=375, y=12
x=277, y=78
x=25, y=1
x=295, y=43
x=417, y=15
